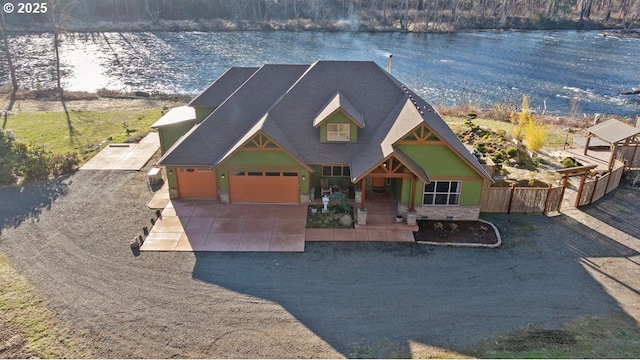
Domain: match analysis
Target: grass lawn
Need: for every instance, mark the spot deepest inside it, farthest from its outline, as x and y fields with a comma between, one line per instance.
x=83, y=132
x=588, y=338
x=28, y=328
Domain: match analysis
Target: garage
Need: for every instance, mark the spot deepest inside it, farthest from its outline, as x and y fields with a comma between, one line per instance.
x=264, y=187
x=196, y=182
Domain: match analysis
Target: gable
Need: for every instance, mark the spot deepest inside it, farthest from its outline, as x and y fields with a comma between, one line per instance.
x=438, y=160
x=339, y=103
x=421, y=135
x=260, y=149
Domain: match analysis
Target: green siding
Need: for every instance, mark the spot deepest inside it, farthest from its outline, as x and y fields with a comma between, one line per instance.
x=257, y=160
x=169, y=134
x=438, y=160
x=442, y=163
x=261, y=158
x=471, y=191
x=171, y=177
x=304, y=184
x=203, y=112
x=339, y=117
x=223, y=184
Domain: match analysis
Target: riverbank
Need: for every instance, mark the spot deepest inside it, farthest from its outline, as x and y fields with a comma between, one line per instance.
x=355, y=24
x=106, y=100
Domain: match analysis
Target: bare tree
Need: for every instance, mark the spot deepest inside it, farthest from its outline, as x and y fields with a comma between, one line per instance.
x=60, y=18
x=7, y=54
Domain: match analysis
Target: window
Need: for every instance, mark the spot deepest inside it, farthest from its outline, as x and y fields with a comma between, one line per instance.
x=338, y=132
x=336, y=171
x=442, y=193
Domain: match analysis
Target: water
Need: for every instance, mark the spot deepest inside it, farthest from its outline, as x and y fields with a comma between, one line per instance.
x=550, y=67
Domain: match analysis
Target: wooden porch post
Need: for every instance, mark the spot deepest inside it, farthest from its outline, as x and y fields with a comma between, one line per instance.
x=634, y=144
x=412, y=202
x=579, y=195
x=363, y=188
x=613, y=156
x=586, y=144
x=565, y=179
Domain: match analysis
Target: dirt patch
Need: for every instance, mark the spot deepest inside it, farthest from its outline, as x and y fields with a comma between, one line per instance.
x=456, y=232
x=13, y=345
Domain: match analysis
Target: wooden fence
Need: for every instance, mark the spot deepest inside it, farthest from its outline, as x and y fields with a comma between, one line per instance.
x=630, y=155
x=595, y=189
x=520, y=199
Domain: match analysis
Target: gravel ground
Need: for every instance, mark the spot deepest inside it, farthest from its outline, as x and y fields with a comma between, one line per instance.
x=71, y=239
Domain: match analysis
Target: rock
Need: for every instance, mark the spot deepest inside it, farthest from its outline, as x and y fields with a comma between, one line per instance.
x=346, y=220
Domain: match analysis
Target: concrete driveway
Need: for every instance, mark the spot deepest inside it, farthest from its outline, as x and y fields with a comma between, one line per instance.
x=206, y=225
x=128, y=156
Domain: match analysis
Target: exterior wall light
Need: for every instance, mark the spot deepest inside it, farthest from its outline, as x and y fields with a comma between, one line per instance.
x=222, y=176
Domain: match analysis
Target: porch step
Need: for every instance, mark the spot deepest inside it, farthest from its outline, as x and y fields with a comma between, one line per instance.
x=389, y=226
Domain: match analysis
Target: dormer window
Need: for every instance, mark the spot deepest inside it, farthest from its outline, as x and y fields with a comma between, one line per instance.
x=338, y=120
x=338, y=132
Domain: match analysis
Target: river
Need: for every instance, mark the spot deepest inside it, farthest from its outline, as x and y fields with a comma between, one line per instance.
x=550, y=67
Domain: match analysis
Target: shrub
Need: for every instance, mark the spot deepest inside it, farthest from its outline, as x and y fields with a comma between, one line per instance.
x=340, y=202
x=534, y=135
x=480, y=147
x=6, y=160
x=568, y=163
x=64, y=163
x=33, y=161
x=512, y=152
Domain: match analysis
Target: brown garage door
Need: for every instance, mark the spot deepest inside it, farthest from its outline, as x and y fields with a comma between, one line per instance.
x=268, y=187
x=196, y=182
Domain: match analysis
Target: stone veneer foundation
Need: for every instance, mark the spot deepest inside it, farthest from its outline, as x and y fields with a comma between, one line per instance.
x=459, y=213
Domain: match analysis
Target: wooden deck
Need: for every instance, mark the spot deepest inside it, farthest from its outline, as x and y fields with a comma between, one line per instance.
x=600, y=158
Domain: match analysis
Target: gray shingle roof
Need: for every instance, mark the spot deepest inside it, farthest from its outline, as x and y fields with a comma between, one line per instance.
x=208, y=142
x=339, y=102
x=175, y=116
x=282, y=101
x=224, y=86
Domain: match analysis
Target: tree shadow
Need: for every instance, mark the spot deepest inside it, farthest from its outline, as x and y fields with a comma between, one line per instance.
x=356, y=296
x=12, y=101
x=27, y=202
x=72, y=130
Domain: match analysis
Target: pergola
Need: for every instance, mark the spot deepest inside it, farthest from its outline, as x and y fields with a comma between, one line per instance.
x=618, y=135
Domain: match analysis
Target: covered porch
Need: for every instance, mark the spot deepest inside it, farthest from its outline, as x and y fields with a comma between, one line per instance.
x=376, y=204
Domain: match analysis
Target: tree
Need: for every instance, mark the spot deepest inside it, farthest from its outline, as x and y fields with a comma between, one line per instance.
x=60, y=17
x=528, y=128
x=7, y=54
x=534, y=134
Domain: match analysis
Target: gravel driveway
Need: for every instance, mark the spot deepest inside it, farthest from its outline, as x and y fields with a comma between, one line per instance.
x=71, y=238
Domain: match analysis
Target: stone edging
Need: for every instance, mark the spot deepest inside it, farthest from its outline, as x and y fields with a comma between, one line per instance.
x=491, y=246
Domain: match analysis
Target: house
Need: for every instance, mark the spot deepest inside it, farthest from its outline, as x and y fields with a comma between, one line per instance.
x=281, y=133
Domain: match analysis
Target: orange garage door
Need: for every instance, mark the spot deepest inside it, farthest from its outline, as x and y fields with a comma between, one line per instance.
x=196, y=183
x=268, y=187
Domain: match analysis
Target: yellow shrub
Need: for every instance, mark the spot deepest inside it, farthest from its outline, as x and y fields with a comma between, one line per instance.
x=534, y=134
